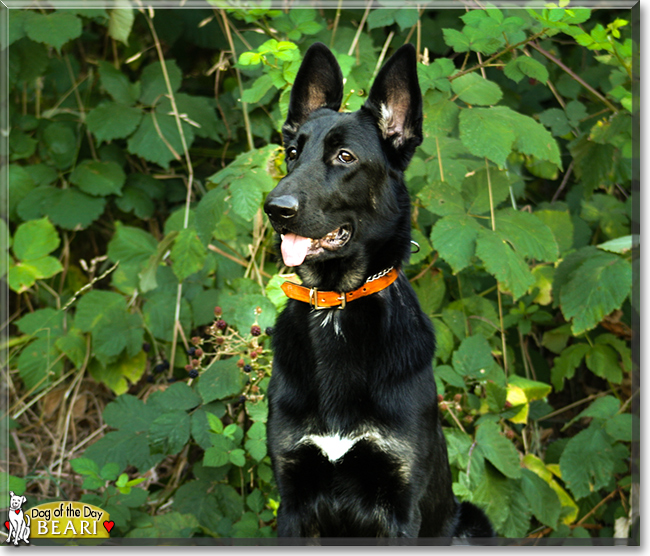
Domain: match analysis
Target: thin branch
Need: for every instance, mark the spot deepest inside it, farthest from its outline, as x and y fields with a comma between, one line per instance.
x=495, y=56
x=363, y=22
x=190, y=174
x=244, y=105
x=574, y=76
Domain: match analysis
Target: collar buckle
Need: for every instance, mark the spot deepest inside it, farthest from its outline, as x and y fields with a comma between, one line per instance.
x=313, y=301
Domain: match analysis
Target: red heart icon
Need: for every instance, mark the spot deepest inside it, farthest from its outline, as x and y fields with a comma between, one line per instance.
x=109, y=525
x=7, y=524
x=17, y=512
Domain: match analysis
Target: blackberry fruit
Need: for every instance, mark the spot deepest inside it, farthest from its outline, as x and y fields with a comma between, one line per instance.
x=193, y=373
x=256, y=330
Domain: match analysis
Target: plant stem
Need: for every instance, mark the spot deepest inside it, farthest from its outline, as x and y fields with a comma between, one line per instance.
x=189, y=181
x=244, y=105
x=363, y=22
x=574, y=76
x=503, y=332
x=497, y=55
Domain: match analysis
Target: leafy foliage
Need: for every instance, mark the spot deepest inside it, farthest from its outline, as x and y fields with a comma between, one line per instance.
x=140, y=259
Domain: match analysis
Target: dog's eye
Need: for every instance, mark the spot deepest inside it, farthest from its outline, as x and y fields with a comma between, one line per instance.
x=346, y=157
x=292, y=153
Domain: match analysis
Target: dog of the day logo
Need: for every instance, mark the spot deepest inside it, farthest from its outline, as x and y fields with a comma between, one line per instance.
x=56, y=520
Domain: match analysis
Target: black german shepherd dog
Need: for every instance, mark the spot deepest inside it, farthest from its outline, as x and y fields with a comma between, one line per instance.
x=353, y=428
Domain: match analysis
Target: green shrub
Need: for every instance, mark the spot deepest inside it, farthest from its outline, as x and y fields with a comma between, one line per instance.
x=134, y=209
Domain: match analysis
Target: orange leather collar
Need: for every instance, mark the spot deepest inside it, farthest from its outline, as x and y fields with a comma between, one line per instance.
x=327, y=300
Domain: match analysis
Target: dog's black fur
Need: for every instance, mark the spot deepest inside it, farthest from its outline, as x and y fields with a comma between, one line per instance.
x=362, y=373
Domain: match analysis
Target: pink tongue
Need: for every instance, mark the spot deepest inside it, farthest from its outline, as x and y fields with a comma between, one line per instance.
x=294, y=249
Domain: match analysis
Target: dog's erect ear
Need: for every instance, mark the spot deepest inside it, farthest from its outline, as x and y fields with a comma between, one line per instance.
x=396, y=102
x=319, y=84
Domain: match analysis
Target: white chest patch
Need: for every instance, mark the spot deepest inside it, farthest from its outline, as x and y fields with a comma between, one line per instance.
x=333, y=446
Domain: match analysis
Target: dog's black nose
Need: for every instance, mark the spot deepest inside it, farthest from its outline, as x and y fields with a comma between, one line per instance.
x=283, y=207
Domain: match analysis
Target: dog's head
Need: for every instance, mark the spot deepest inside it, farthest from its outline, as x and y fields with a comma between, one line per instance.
x=343, y=196
x=16, y=502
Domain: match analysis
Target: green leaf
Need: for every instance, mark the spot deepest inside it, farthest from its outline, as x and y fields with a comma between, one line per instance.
x=381, y=18
x=71, y=209
x=178, y=396
x=456, y=40
x=53, y=29
x=597, y=286
x=255, y=501
x=113, y=120
x=153, y=81
x=603, y=361
x=99, y=178
x=84, y=466
x=454, y=237
x=193, y=497
x=41, y=323
x=486, y=134
x=473, y=89
x=560, y=224
x=476, y=189
x=246, y=199
x=504, y=503
x=215, y=457
x=118, y=372
x=473, y=357
x=131, y=246
x=169, y=525
x=171, y=431
x=623, y=427
x=120, y=21
x=498, y=450
x=440, y=118
x=20, y=184
x=221, y=380
x=124, y=448
x=503, y=262
x=113, y=328
x=523, y=66
x=159, y=313
x=260, y=87
x=565, y=365
x=542, y=499
x=258, y=411
x=24, y=274
x=238, y=457
x=442, y=199
x=188, y=254
x=39, y=363
x=200, y=428
x=533, y=389
x=430, y=290
x=129, y=414
x=73, y=345
x=619, y=245
x=35, y=239
x=603, y=408
x=556, y=120
x=530, y=237
x=588, y=461
x=147, y=143
x=494, y=132
x=117, y=84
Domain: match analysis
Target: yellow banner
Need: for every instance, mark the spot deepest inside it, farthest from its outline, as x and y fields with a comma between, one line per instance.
x=69, y=520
